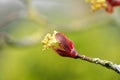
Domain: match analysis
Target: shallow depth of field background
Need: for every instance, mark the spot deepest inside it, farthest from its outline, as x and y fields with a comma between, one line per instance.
x=24, y=23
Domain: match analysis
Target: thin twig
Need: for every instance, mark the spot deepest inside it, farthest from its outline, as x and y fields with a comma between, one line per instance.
x=104, y=63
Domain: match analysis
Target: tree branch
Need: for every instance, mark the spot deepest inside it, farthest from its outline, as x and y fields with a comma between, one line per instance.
x=104, y=63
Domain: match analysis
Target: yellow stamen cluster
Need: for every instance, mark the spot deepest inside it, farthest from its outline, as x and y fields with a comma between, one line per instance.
x=50, y=41
x=97, y=4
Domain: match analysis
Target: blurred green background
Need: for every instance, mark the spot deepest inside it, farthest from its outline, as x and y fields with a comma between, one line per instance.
x=24, y=23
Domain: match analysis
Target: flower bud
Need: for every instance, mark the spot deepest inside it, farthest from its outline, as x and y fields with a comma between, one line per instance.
x=108, y=5
x=60, y=44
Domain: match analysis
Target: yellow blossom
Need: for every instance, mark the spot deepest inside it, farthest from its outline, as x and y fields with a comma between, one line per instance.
x=97, y=4
x=50, y=41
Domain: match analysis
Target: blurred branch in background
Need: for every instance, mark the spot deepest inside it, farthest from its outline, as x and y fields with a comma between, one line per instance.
x=32, y=14
x=22, y=14
x=9, y=11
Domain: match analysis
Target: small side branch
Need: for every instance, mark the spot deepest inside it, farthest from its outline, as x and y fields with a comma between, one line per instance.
x=104, y=63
